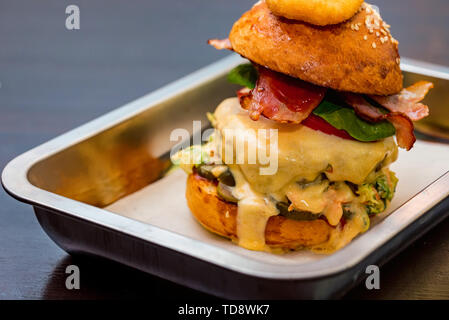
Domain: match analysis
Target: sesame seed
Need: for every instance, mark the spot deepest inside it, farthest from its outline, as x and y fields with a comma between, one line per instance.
x=374, y=45
x=365, y=37
x=371, y=30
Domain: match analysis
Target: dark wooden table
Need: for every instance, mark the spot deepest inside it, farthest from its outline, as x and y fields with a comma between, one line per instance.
x=53, y=80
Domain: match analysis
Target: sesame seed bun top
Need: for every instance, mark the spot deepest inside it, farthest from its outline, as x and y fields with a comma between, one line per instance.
x=358, y=55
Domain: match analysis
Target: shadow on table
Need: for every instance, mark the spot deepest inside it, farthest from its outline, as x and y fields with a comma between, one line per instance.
x=103, y=279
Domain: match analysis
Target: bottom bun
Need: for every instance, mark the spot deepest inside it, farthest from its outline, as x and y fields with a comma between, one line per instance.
x=220, y=217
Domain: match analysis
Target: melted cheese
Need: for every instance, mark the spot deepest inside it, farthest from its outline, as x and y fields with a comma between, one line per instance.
x=320, y=198
x=308, y=198
x=341, y=236
x=254, y=210
x=303, y=154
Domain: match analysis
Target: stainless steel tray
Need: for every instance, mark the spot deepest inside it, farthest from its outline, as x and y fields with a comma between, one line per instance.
x=77, y=181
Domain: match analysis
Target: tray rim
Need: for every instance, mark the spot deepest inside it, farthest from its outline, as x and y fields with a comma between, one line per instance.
x=15, y=182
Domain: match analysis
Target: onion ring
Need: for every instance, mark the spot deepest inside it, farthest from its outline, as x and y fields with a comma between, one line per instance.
x=317, y=12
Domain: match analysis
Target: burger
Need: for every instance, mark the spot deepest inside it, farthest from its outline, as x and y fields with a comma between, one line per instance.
x=323, y=100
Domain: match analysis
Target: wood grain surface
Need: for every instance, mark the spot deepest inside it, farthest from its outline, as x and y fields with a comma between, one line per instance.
x=53, y=80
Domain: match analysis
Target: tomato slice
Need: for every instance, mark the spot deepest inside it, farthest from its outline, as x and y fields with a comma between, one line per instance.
x=316, y=123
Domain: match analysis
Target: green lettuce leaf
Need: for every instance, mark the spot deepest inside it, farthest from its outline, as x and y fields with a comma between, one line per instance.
x=244, y=75
x=346, y=119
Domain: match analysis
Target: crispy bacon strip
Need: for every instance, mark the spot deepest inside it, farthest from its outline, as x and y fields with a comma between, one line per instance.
x=403, y=125
x=363, y=109
x=407, y=101
x=281, y=98
x=220, y=44
x=404, y=130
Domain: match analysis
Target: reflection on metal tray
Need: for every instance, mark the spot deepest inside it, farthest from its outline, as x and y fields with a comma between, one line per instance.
x=76, y=181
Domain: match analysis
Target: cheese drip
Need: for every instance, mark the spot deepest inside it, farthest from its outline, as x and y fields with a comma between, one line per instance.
x=343, y=234
x=254, y=210
x=320, y=198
